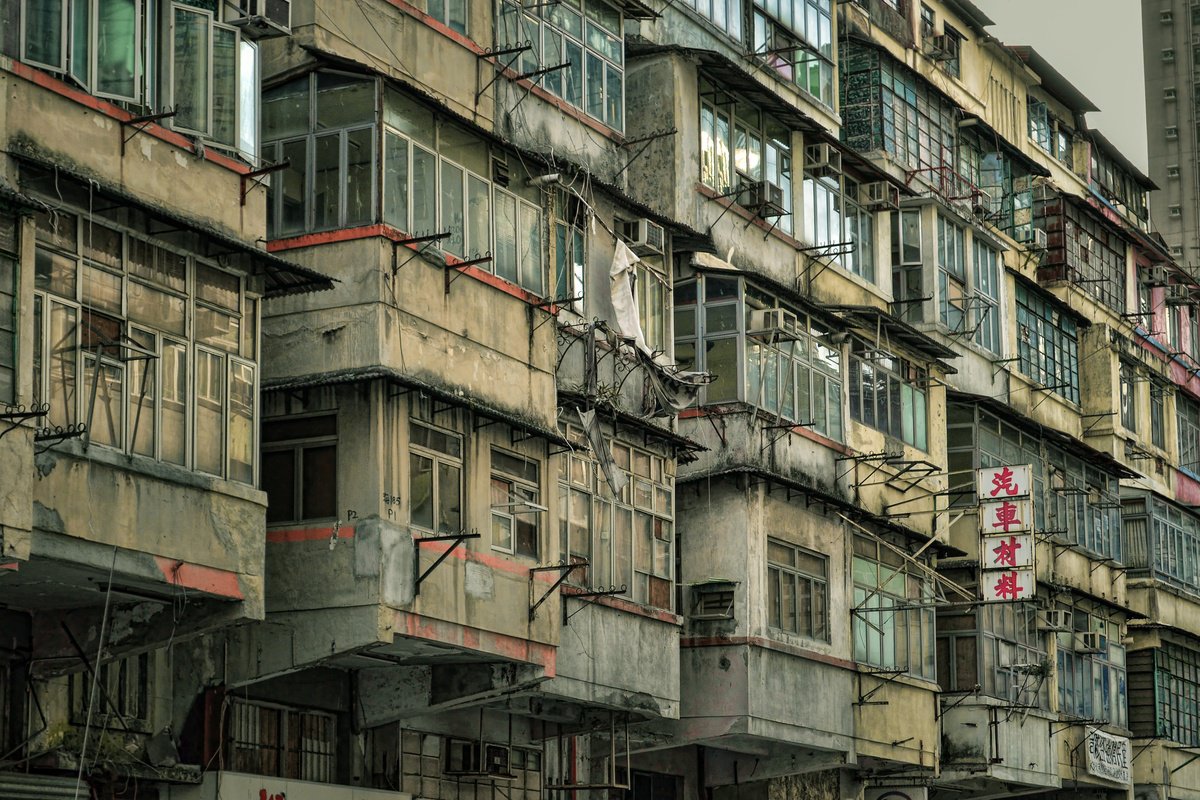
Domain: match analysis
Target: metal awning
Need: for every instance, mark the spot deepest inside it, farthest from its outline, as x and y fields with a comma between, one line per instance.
x=444, y=394
x=283, y=277
x=870, y=318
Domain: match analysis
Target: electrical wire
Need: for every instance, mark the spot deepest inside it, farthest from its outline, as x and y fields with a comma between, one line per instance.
x=87, y=728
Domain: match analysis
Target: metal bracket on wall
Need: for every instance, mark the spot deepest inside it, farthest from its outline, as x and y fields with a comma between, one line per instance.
x=57, y=434
x=253, y=176
x=645, y=142
x=424, y=240
x=139, y=124
x=552, y=307
x=588, y=598
x=885, y=676
x=17, y=414
x=456, y=538
x=458, y=266
x=513, y=50
x=565, y=571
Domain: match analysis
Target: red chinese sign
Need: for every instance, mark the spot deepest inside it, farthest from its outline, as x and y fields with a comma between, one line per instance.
x=1006, y=544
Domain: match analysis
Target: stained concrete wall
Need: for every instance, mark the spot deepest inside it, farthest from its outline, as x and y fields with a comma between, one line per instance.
x=1023, y=752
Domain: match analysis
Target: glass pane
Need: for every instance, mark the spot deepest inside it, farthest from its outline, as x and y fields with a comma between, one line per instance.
x=595, y=86
x=360, y=173
x=326, y=184
x=721, y=360
x=142, y=375
x=531, y=250
x=101, y=289
x=248, y=105
x=319, y=482
x=241, y=422
x=343, y=100
x=225, y=85
x=452, y=208
x=479, y=214
x=106, y=421
x=43, y=32
x=420, y=491
x=80, y=41
x=174, y=403
x=449, y=498
x=55, y=273
x=506, y=236
x=190, y=69
x=293, y=187
x=424, y=192
x=395, y=181
x=210, y=408
x=162, y=311
x=279, y=482
x=64, y=349
x=217, y=328
x=285, y=110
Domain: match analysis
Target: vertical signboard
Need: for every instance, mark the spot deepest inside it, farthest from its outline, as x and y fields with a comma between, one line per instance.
x=1005, y=532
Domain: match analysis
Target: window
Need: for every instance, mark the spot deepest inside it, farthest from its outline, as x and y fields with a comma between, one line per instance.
x=651, y=291
x=1039, y=123
x=740, y=146
x=299, y=468
x=952, y=274
x=888, y=107
x=1173, y=171
x=265, y=739
x=1163, y=539
x=907, y=265
x=1187, y=420
x=1176, y=688
x=1158, y=429
x=115, y=50
x=771, y=354
x=124, y=685
x=1091, y=685
x=112, y=350
x=996, y=647
x=515, y=509
x=1047, y=346
x=797, y=590
x=1128, y=396
x=1168, y=54
x=587, y=35
x=1091, y=253
x=627, y=536
x=1072, y=497
x=435, y=478
x=832, y=216
x=888, y=393
x=1175, y=211
x=9, y=255
x=436, y=178
x=651, y=786
x=780, y=26
x=1169, y=93
x=570, y=251
x=431, y=765
x=1171, y=132
x=725, y=14
x=950, y=59
x=1165, y=16
x=986, y=290
x=451, y=13
x=892, y=620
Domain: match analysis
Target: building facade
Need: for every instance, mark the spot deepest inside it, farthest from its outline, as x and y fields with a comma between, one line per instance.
x=589, y=399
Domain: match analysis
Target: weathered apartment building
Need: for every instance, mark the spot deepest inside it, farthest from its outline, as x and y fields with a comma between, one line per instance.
x=583, y=399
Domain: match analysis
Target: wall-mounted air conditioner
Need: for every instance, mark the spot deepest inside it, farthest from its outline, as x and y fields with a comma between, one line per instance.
x=645, y=237
x=261, y=19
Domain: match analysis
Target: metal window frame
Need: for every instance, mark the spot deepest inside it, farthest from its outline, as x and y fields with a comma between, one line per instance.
x=814, y=580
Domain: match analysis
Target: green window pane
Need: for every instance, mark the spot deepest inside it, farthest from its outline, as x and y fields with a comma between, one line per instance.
x=190, y=71
x=225, y=85
x=117, y=48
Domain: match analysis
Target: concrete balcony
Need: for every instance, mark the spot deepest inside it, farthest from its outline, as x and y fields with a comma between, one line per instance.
x=990, y=747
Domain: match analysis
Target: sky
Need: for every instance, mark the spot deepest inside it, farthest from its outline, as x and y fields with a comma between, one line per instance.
x=1097, y=46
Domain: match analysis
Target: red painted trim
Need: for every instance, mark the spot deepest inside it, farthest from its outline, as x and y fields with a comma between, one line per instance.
x=728, y=202
x=689, y=642
x=628, y=606
x=203, y=579
x=47, y=81
x=283, y=535
x=388, y=232
x=14, y=566
x=417, y=626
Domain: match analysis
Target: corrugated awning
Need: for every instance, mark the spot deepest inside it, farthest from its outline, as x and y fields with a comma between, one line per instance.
x=445, y=394
x=283, y=277
x=897, y=331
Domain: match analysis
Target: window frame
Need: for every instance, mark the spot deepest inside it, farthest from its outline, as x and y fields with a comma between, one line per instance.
x=521, y=489
x=297, y=445
x=815, y=629
x=438, y=458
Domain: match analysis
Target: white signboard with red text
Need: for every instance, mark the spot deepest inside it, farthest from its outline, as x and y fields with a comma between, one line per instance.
x=1006, y=541
x=239, y=786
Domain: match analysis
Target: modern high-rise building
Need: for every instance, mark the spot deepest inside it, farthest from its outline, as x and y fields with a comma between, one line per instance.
x=1171, y=54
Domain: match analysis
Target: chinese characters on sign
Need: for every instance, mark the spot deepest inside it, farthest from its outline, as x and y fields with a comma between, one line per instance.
x=1108, y=756
x=1006, y=533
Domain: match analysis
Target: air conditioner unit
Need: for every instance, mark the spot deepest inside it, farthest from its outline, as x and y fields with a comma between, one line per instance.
x=983, y=204
x=462, y=758
x=261, y=19
x=1035, y=239
x=645, y=237
x=1155, y=276
x=822, y=160
x=1054, y=619
x=1091, y=642
x=1044, y=191
x=1177, y=294
x=764, y=197
x=773, y=324
x=878, y=195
